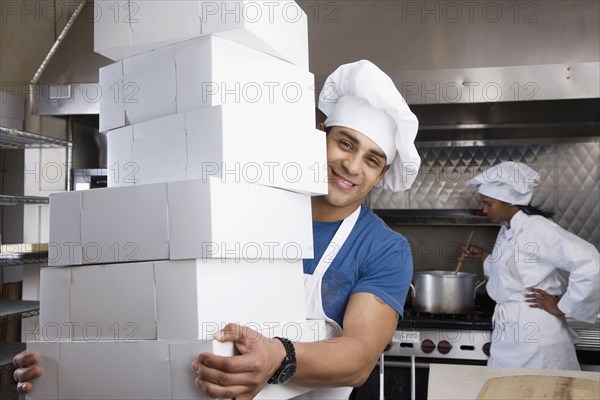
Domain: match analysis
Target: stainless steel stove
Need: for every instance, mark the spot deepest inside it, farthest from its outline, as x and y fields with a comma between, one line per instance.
x=451, y=337
x=454, y=344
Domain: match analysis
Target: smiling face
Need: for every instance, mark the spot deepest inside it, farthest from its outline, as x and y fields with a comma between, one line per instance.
x=498, y=210
x=356, y=164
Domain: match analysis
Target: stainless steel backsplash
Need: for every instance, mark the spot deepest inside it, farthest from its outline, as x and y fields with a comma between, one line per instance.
x=569, y=170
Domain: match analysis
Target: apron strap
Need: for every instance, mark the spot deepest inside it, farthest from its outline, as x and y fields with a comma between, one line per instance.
x=336, y=243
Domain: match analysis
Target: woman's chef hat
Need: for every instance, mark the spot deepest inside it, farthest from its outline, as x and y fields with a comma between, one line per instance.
x=362, y=97
x=511, y=182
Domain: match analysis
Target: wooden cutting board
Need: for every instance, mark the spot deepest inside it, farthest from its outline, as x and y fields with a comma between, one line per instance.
x=528, y=387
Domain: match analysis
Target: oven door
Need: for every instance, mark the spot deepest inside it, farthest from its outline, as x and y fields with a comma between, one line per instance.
x=398, y=378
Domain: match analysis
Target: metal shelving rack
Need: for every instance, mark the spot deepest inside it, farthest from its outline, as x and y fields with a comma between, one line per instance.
x=17, y=139
x=12, y=139
x=17, y=309
x=8, y=200
x=23, y=258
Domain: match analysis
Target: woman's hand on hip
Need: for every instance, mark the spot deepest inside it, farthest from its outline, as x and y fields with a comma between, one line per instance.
x=538, y=298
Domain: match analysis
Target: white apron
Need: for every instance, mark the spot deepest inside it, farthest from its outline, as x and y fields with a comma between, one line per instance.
x=523, y=337
x=314, y=303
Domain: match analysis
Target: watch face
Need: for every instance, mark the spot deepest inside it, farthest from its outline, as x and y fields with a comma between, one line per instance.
x=287, y=373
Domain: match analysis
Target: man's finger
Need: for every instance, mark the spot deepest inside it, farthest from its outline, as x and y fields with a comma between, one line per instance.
x=26, y=358
x=220, y=392
x=24, y=387
x=231, y=364
x=221, y=378
x=231, y=333
x=27, y=374
x=238, y=334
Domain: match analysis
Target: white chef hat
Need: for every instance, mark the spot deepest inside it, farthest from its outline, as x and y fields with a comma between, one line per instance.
x=362, y=97
x=509, y=181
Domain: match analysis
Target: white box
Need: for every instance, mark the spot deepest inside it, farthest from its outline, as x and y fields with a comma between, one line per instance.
x=278, y=28
x=112, y=89
x=180, y=220
x=124, y=224
x=212, y=70
x=110, y=370
x=64, y=247
x=197, y=298
x=291, y=157
x=146, y=92
x=237, y=220
x=109, y=226
x=112, y=29
x=202, y=72
x=230, y=142
x=114, y=370
x=149, y=139
x=159, y=23
x=113, y=302
x=121, y=171
x=103, y=370
x=123, y=29
x=148, y=152
x=98, y=302
x=168, y=300
x=54, y=304
x=12, y=106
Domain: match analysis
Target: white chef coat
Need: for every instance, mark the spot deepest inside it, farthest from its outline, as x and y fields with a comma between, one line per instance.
x=314, y=302
x=537, y=253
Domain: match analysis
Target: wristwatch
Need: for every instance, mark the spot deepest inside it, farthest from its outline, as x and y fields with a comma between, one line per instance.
x=287, y=369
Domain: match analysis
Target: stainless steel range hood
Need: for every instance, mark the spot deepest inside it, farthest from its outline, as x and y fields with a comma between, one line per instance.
x=66, y=82
x=550, y=52
x=528, y=70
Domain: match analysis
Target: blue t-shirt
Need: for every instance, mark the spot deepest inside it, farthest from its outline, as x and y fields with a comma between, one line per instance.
x=374, y=259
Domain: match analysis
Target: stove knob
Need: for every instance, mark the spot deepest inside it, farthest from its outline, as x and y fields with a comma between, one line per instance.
x=427, y=346
x=444, y=347
x=486, y=348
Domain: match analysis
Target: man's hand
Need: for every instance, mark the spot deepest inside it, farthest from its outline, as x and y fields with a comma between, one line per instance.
x=28, y=369
x=537, y=298
x=242, y=376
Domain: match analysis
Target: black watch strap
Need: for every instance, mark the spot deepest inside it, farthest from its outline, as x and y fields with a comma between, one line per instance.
x=287, y=369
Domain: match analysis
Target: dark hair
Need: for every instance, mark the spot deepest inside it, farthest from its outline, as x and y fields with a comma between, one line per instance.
x=533, y=210
x=328, y=129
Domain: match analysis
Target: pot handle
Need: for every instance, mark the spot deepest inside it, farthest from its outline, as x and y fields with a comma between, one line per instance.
x=414, y=291
x=477, y=286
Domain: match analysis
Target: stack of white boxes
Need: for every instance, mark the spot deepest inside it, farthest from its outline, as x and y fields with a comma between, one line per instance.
x=213, y=157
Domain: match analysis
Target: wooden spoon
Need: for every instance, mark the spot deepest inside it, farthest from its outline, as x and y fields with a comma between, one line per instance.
x=462, y=255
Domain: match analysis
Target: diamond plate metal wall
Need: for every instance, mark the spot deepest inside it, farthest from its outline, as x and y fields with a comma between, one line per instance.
x=569, y=169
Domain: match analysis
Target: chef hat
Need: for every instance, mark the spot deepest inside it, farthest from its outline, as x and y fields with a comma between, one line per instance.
x=509, y=181
x=362, y=97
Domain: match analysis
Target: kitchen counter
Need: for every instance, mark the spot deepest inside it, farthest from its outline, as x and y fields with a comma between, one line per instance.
x=462, y=382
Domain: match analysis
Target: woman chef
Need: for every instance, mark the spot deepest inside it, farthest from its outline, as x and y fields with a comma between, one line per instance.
x=537, y=273
x=359, y=277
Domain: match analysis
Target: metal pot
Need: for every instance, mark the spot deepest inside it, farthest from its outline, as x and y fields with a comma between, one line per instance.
x=444, y=292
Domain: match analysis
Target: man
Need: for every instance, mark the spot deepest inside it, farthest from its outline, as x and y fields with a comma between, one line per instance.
x=359, y=277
